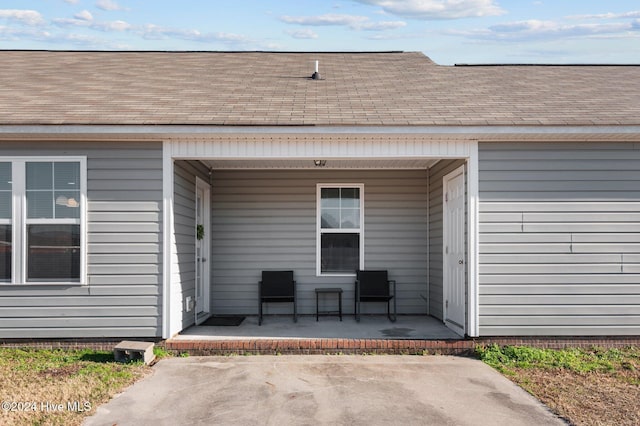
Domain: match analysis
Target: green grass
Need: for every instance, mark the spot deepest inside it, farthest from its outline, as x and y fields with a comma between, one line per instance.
x=61, y=377
x=578, y=360
x=583, y=385
x=160, y=352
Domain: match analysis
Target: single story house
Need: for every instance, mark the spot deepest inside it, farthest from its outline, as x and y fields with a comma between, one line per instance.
x=141, y=192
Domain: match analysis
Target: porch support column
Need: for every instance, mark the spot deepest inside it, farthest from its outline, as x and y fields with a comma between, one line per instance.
x=473, y=239
x=167, y=239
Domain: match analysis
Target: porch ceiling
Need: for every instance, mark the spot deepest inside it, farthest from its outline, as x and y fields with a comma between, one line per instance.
x=387, y=163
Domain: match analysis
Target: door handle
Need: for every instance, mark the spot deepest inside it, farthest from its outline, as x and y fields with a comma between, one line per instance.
x=204, y=259
x=460, y=262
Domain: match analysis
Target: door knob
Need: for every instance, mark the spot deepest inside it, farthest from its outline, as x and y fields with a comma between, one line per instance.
x=459, y=262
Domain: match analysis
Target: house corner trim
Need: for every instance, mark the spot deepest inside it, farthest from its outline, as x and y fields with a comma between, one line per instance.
x=473, y=329
x=167, y=237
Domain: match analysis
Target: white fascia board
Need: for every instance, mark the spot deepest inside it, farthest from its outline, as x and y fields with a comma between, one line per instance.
x=182, y=130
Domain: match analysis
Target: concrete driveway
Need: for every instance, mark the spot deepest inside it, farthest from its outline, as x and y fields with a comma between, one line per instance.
x=312, y=390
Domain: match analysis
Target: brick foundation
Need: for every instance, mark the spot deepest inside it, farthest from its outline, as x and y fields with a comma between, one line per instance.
x=464, y=347
x=95, y=344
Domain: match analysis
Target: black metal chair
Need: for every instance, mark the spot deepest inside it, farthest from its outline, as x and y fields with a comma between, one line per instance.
x=277, y=287
x=375, y=286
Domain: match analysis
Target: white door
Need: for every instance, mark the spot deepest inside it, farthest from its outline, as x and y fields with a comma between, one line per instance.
x=203, y=241
x=454, y=267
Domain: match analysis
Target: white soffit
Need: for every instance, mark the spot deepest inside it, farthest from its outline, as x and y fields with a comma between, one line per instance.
x=329, y=164
x=311, y=147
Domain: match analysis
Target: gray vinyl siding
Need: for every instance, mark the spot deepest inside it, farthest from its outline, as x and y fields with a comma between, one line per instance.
x=436, y=174
x=265, y=220
x=184, y=210
x=559, y=239
x=123, y=294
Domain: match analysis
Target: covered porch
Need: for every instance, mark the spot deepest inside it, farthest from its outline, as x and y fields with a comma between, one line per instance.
x=233, y=216
x=407, y=327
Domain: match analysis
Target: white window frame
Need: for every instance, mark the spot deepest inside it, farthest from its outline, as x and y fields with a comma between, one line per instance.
x=10, y=221
x=320, y=231
x=19, y=220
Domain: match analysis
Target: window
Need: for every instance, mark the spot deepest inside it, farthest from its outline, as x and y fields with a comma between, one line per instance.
x=42, y=210
x=6, y=208
x=340, y=229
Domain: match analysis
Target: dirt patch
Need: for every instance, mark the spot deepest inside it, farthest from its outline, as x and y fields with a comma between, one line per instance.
x=584, y=398
x=45, y=387
x=61, y=372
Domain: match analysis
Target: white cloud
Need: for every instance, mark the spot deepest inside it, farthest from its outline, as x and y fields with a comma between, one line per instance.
x=632, y=14
x=67, y=22
x=438, y=9
x=155, y=32
x=37, y=35
x=71, y=1
x=108, y=5
x=26, y=17
x=324, y=20
x=106, y=26
x=554, y=29
x=352, y=21
x=382, y=26
x=85, y=15
x=531, y=25
x=112, y=26
x=396, y=36
x=35, y=28
x=12, y=33
x=537, y=30
x=78, y=39
x=302, y=34
x=150, y=31
x=269, y=46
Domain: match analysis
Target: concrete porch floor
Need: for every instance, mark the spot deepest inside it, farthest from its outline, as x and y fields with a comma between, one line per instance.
x=407, y=327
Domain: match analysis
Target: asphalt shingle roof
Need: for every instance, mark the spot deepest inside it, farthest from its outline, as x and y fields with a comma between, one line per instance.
x=255, y=88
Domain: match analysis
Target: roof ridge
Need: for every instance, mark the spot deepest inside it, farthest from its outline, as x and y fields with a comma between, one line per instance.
x=546, y=65
x=208, y=51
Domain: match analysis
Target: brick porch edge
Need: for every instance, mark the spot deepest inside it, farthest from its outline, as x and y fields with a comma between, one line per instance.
x=330, y=346
x=382, y=346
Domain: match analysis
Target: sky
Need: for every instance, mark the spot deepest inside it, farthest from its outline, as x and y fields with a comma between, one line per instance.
x=448, y=31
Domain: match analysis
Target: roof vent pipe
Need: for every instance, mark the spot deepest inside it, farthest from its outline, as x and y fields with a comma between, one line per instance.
x=316, y=74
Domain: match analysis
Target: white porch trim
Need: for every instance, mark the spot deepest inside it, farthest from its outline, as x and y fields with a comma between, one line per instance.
x=168, y=243
x=473, y=274
x=358, y=146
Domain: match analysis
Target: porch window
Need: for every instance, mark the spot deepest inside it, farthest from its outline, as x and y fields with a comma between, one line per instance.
x=42, y=204
x=340, y=231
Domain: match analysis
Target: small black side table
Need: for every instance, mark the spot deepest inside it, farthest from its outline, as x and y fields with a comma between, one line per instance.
x=337, y=291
